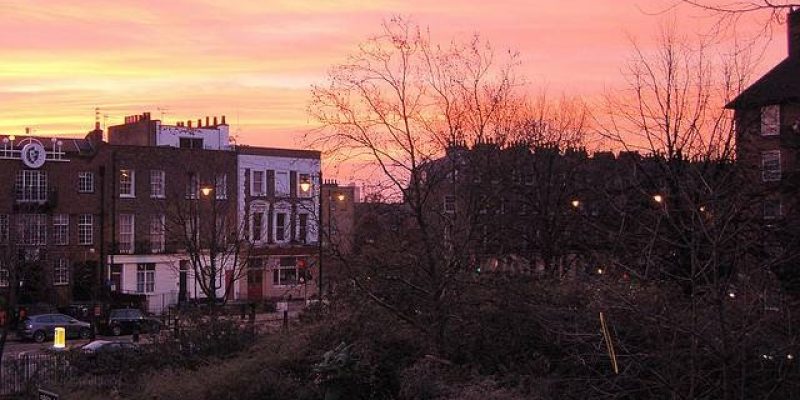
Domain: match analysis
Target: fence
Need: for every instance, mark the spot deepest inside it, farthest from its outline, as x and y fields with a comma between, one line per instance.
x=24, y=374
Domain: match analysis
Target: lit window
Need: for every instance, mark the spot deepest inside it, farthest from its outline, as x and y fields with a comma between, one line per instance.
x=86, y=182
x=770, y=120
x=157, y=234
x=60, y=229
x=127, y=183
x=85, y=229
x=61, y=272
x=146, y=278
x=126, y=233
x=157, y=181
x=771, y=165
x=31, y=186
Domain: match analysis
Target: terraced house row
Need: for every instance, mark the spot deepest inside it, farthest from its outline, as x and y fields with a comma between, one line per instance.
x=170, y=212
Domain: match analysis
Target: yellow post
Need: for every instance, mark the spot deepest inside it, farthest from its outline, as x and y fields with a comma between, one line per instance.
x=60, y=340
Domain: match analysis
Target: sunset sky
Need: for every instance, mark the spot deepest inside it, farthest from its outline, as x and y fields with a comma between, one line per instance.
x=255, y=60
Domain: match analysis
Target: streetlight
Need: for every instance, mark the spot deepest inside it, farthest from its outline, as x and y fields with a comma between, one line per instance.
x=658, y=198
x=576, y=203
x=340, y=197
x=305, y=186
x=206, y=190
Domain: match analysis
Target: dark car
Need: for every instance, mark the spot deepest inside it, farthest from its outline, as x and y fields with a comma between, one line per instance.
x=42, y=327
x=130, y=320
x=108, y=346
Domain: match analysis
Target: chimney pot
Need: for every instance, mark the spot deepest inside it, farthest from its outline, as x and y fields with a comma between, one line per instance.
x=189, y=123
x=199, y=122
x=215, y=120
x=223, y=120
x=793, y=31
x=207, y=120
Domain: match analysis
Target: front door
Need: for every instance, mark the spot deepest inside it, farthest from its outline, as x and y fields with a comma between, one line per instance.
x=255, y=284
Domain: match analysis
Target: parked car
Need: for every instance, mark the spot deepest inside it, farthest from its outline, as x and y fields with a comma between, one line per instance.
x=42, y=327
x=129, y=320
x=108, y=346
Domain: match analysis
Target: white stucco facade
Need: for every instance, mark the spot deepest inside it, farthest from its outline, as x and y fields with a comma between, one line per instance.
x=214, y=137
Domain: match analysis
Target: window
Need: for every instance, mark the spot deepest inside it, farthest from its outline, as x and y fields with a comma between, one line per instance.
x=85, y=229
x=772, y=209
x=127, y=183
x=146, y=278
x=191, y=143
x=32, y=229
x=281, y=183
x=529, y=178
x=302, y=228
x=193, y=186
x=771, y=165
x=258, y=226
x=771, y=120
x=60, y=229
x=257, y=188
x=450, y=204
x=61, y=272
x=157, y=180
x=126, y=233
x=221, y=186
x=85, y=182
x=4, y=276
x=304, y=182
x=31, y=186
x=280, y=227
x=3, y=228
x=157, y=234
x=286, y=273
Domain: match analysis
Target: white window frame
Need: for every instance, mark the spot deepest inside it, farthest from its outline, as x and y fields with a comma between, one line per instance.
x=4, y=228
x=61, y=272
x=127, y=183
x=5, y=275
x=61, y=229
x=145, y=278
x=32, y=229
x=278, y=269
x=779, y=213
x=258, y=186
x=768, y=158
x=85, y=182
x=221, y=186
x=449, y=204
x=127, y=227
x=193, y=187
x=158, y=184
x=771, y=120
x=286, y=226
x=282, y=183
x=85, y=229
x=31, y=186
x=157, y=233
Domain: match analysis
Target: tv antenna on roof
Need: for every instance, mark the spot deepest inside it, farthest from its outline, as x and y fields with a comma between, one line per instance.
x=163, y=111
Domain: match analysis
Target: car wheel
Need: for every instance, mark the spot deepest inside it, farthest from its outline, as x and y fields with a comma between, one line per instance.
x=39, y=336
x=116, y=330
x=85, y=333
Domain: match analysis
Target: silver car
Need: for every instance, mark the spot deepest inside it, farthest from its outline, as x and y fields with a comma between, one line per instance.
x=42, y=327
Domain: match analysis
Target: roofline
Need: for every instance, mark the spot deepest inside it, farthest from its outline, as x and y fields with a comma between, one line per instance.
x=277, y=152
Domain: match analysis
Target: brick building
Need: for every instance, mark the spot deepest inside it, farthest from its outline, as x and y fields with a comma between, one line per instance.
x=138, y=213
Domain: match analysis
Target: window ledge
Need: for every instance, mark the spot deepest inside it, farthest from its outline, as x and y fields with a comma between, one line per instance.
x=127, y=196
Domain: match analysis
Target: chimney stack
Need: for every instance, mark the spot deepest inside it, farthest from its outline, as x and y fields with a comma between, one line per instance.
x=793, y=28
x=189, y=123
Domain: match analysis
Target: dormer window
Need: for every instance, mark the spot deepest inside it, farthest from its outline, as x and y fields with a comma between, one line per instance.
x=771, y=120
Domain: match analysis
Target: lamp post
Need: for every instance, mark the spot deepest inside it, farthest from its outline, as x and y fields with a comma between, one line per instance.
x=206, y=192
